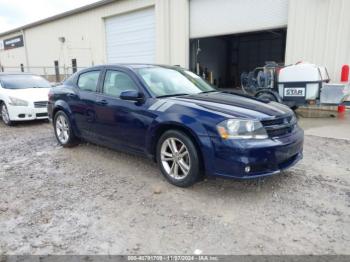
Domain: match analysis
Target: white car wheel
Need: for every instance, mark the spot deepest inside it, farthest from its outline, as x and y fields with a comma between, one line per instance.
x=5, y=115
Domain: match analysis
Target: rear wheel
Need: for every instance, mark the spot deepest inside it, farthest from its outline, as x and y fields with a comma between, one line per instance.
x=266, y=96
x=63, y=130
x=5, y=115
x=178, y=159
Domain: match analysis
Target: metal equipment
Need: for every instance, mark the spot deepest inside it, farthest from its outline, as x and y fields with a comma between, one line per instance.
x=294, y=85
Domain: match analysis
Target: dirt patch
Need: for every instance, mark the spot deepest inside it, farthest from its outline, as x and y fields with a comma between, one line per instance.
x=91, y=200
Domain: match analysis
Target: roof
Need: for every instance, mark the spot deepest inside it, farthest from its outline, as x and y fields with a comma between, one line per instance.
x=132, y=66
x=136, y=65
x=59, y=16
x=14, y=73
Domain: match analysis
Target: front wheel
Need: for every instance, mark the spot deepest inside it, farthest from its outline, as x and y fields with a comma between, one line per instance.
x=5, y=115
x=178, y=158
x=63, y=130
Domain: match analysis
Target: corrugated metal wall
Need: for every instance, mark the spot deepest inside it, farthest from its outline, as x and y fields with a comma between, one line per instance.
x=220, y=17
x=319, y=32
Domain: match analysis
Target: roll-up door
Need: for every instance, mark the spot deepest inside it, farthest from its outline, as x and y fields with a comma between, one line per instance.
x=130, y=37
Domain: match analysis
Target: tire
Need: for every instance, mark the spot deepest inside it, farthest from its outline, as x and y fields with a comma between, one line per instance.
x=63, y=130
x=181, y=168
x=266, y=96
x=5, y=115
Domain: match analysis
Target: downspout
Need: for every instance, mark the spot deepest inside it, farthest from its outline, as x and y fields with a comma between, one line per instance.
x=25, y=49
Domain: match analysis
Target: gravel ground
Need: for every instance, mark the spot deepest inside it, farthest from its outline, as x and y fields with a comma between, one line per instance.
x=91, y=200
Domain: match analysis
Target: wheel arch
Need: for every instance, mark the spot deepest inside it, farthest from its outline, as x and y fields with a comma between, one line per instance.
x=61, y=105
x=161, y=129
x=270, y=92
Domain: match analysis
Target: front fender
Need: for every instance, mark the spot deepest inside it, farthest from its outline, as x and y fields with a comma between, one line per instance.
x=185, y=123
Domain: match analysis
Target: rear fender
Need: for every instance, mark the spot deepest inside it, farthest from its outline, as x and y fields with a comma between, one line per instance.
x=63, y=106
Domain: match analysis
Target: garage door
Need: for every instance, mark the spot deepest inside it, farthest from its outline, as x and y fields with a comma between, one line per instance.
x=223, y=17
x=130, y=37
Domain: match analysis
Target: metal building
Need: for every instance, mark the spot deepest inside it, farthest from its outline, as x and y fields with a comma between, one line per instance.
x=221, y=37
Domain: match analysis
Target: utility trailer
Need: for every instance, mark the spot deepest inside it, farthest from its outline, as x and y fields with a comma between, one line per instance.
x=294, y=85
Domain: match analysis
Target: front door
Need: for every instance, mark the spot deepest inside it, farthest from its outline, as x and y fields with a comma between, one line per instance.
x=120, y=123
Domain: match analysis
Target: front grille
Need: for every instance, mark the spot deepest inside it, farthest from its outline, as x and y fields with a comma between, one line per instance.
x=40, y=104
x=279, y=126
x=277, y=121
x=41, y=115
x=280, y=131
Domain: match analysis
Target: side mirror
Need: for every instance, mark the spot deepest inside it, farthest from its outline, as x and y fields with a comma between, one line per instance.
x=132, y=95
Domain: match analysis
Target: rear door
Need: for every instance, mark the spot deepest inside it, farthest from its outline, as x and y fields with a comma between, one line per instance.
x=82, y=103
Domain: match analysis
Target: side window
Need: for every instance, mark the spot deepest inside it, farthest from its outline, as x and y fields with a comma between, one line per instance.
x=88, y=81
x=117, y=82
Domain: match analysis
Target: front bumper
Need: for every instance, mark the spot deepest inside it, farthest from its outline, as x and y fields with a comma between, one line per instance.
x=257, y=158
x=26, y=113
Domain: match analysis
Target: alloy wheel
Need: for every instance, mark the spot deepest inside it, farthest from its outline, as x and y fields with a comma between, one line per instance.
x=5, y=114
x=175, y=158
x=62, y=129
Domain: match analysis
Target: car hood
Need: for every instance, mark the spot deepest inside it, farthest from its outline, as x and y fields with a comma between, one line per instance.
x=236, y=105
x=29, y=94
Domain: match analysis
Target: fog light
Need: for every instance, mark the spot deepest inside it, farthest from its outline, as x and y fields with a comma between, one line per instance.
x=247, y=169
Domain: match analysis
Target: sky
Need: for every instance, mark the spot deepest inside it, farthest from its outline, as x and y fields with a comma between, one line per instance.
x=15, y=13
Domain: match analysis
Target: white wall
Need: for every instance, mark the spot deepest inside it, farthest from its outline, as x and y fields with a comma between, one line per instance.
x=319, y=32
x=85, y=36
x=220, y=17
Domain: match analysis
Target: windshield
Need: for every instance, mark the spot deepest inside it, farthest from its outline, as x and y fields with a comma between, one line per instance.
x=23, y=81
x=170, y=82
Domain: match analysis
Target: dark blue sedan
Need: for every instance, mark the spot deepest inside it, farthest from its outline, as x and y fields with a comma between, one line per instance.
x=174, y=117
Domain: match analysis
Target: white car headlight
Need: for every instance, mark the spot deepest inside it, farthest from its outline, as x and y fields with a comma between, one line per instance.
x=241, y=129
x=17, y=102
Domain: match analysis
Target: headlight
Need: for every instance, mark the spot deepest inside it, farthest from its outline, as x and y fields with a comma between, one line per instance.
x=294, y=119
x=17, y=102
x=241, y=129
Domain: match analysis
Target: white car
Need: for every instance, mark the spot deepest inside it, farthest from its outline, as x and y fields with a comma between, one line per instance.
x=23, y=97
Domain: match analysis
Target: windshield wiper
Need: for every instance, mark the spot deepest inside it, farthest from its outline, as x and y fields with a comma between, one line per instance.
x=181, y=94
x=210, y=91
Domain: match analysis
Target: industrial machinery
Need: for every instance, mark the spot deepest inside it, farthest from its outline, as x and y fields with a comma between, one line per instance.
x=294, y=85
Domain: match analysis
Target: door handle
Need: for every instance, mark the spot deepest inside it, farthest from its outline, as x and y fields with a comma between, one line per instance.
x=71, y=95
x=102, y=102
